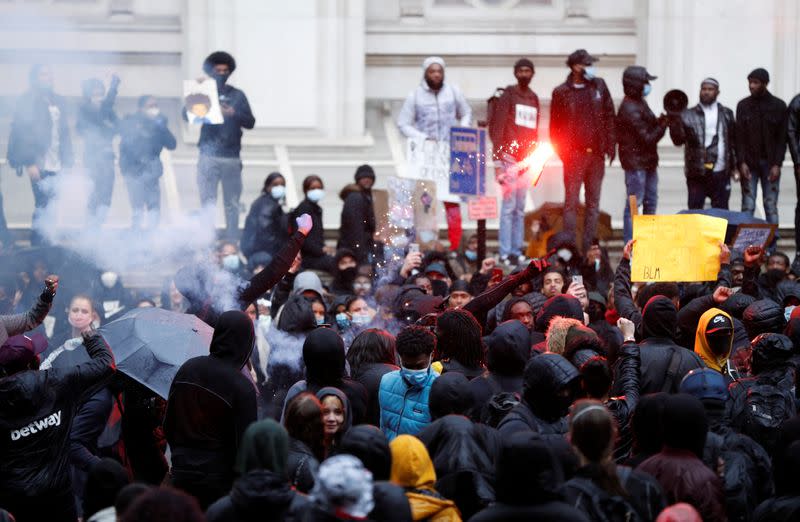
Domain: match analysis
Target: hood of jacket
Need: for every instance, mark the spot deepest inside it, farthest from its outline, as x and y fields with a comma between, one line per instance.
x=528, y=471
x=450, y=393
x=369, y=445
x=412, y=467
x=297, y=316
x=307, y=281
x=350, y=188
x=545, y=375
x=762, y=316
x=647, y=423
x=659, y=318
x=234, y=338
x=261, y=493
x=559, y=305
x=348, y=410
x=456, y=446
x=701, y=345
x=323, y=355
x=771, y=351
x=563, y=330
x=264, y=446
x=685, y=424
x=508, y=349
x=736, y=304
x=792, y=331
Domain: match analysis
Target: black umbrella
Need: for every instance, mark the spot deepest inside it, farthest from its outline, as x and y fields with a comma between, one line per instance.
x=150, y=344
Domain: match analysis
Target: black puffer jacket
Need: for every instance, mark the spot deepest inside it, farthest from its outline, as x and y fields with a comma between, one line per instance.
x=529, y=476
x=369, y=375
x=36, y=413
x=315, y=241
x=369, y=445
x=450, y=394
x=628, y=374
x=638, y=134
x=464, y=456
x=259, y=495
x=210, y=405
x=266, y=228
x=357, y=223
x=659, y=325
x=763, y=316
x=690, y=131
x=542, y=410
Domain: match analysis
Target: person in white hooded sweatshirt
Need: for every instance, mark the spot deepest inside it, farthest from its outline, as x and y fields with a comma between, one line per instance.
x=428, y=113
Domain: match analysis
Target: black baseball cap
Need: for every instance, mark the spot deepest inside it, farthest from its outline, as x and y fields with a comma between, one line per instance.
x=720, y=324
x=581, y=56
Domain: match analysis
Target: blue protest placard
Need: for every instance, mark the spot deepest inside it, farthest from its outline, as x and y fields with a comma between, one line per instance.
x=467, y=161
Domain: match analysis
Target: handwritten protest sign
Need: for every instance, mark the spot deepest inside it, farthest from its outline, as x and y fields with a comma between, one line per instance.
x=753, y=234
x=482, y=208
x=679, y=248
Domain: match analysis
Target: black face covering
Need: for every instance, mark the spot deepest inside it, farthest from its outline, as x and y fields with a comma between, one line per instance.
x=719, y=343
x=348, y=275
x=221, y=80
x=439, y=287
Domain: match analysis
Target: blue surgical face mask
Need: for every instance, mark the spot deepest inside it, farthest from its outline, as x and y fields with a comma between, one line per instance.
x=360, y=319
x=320, y=320
x=315, y=195
x=589, y=72
x=471, y=255
x=415, y=378
x=342, y=321
x=647, y=89
x=787, y=312
x=277, y=192
x=231, y=262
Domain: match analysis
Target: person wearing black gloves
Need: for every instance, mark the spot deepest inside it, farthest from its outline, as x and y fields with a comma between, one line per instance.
x=36, y=411
x=220, y=145
x=708, y=133
x=760, y=144
x=638, y=133
x=582, y=131
x=266, y=228
x=97, y=125
x=143, y=135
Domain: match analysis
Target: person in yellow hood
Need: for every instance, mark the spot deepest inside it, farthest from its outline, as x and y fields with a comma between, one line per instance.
x=412, y=469
x=714, y=340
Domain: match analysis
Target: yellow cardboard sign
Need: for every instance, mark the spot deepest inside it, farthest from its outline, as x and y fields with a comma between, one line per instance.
x=676, y=248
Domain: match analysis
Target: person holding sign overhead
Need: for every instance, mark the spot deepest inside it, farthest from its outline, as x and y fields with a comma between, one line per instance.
x=220, y=145
x=427, y=114
x=514, y=130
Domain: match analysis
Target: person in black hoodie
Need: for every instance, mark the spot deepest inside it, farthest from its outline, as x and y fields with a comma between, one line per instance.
x=372, y=355
x=647, y=428
x=664, y=363
x=760, y=144
x=344, y=272
x=550, y=385
x=142, y=136
x=369, y=445
x=36, y=412
x=39, y=143
x=638, y=134
x=358, y=217
x=266, y=228
x=220, y=145
x=785, y=506
x=464, y=454
x=262, y=491
x=97, y=124
x=508, y=351
x=303, y=421
x=529, y=477
x=210, y=404
x=324, y=358
x=316, y=256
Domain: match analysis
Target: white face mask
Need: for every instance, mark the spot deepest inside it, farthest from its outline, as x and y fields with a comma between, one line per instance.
x=109, y=279
x=231, y=262
x=152, y=112
x=565, y=254
x=315, y=195
x=277, y=192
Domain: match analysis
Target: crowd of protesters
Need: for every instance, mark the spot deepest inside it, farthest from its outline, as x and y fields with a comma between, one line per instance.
x=441, y=387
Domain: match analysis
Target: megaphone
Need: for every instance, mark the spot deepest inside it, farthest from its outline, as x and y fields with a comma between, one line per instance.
x=675, y=101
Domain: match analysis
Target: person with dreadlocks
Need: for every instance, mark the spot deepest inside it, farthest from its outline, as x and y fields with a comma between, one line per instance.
x=459, y=346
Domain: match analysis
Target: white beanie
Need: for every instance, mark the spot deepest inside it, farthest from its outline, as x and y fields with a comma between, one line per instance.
x=430, y=60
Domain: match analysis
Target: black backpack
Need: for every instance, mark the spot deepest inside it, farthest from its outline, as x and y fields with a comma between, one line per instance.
x=740, y=492
x=602, y=507
x=766, y=407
